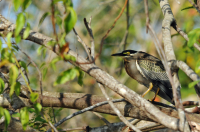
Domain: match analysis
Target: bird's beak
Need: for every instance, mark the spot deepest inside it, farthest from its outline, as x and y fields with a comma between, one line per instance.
x=118, y=54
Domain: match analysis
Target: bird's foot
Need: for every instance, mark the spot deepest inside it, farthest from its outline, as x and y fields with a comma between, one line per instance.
x=151, y=100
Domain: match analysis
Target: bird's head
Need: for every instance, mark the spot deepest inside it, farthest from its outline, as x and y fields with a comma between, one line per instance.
x=126, y=53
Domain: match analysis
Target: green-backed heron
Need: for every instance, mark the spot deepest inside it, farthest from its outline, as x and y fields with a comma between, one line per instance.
x=149, y=71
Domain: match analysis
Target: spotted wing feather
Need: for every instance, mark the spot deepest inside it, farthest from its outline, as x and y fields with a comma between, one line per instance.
x=153, y=69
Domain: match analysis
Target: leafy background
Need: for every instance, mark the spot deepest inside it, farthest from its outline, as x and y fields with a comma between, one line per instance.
x=37, y=15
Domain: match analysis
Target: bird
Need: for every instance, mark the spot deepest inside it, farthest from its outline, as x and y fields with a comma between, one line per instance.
x=148, y=71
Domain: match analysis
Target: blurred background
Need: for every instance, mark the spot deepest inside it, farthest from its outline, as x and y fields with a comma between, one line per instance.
x=103, y=13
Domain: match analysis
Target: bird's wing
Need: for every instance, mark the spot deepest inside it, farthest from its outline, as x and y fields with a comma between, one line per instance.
x=153, y=70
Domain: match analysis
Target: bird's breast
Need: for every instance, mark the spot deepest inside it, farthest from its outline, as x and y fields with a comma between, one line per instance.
x=133, y=71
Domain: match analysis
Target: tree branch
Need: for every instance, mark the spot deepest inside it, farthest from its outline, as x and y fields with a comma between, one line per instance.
x=104, y=78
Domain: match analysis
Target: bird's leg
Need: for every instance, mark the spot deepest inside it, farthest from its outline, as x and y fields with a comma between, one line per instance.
x=149, y=89
x=155, y=95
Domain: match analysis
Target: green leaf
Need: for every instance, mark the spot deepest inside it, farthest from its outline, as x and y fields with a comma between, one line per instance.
x=52, y=43
x=59, y=21
x=0, y=45
x=16, y=115
x=39, y=50
x=38, y=107
x=23, y=64
x=26, y=4
x=17, y=88
x=24, y=117
x=80, y=77
x=70, y=20
x=192, y=84
x=197, y=67
x=54, y=61
x=19, y=23
x=69, y=57
x=17, y=39
x=1, y=111
x=26, y=32
x=34, y=97
x=57, y=111
x=42, y=51
x=31, y=110
x=7, y=117
x=43, y=64
x=2, y=86
x=194, y=37
x=13, y=76
x=68, y=3
x=62, y=40
x=65, y=76
x=43, y=17
x=11, y=58
x=17, y=4
x=44, y=72
x=9, y=37
x=5, y=54
x=189, y=7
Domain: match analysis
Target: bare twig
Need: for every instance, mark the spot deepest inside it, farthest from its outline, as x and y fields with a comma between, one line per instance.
x=122, y=118
x=87, y=49
x=105, y=36
x=85, y=128
x=89, y=29
x=39, y=72
x=82, y=111
x=25, y=72
x=53, y=20
x=51, y=125
x=147, y=14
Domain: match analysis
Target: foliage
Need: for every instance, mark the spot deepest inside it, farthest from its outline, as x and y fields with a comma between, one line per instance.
x=58, y=76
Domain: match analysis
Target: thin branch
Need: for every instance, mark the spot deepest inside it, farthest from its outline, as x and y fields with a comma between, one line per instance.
x=82, y=111
x=147, y=14
x=39, y=72
x=89, y=29
x=87, y=49
x=105, y=36
x=84, y=128
x=53, y=20
x=51, y=125
x=121, y=117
